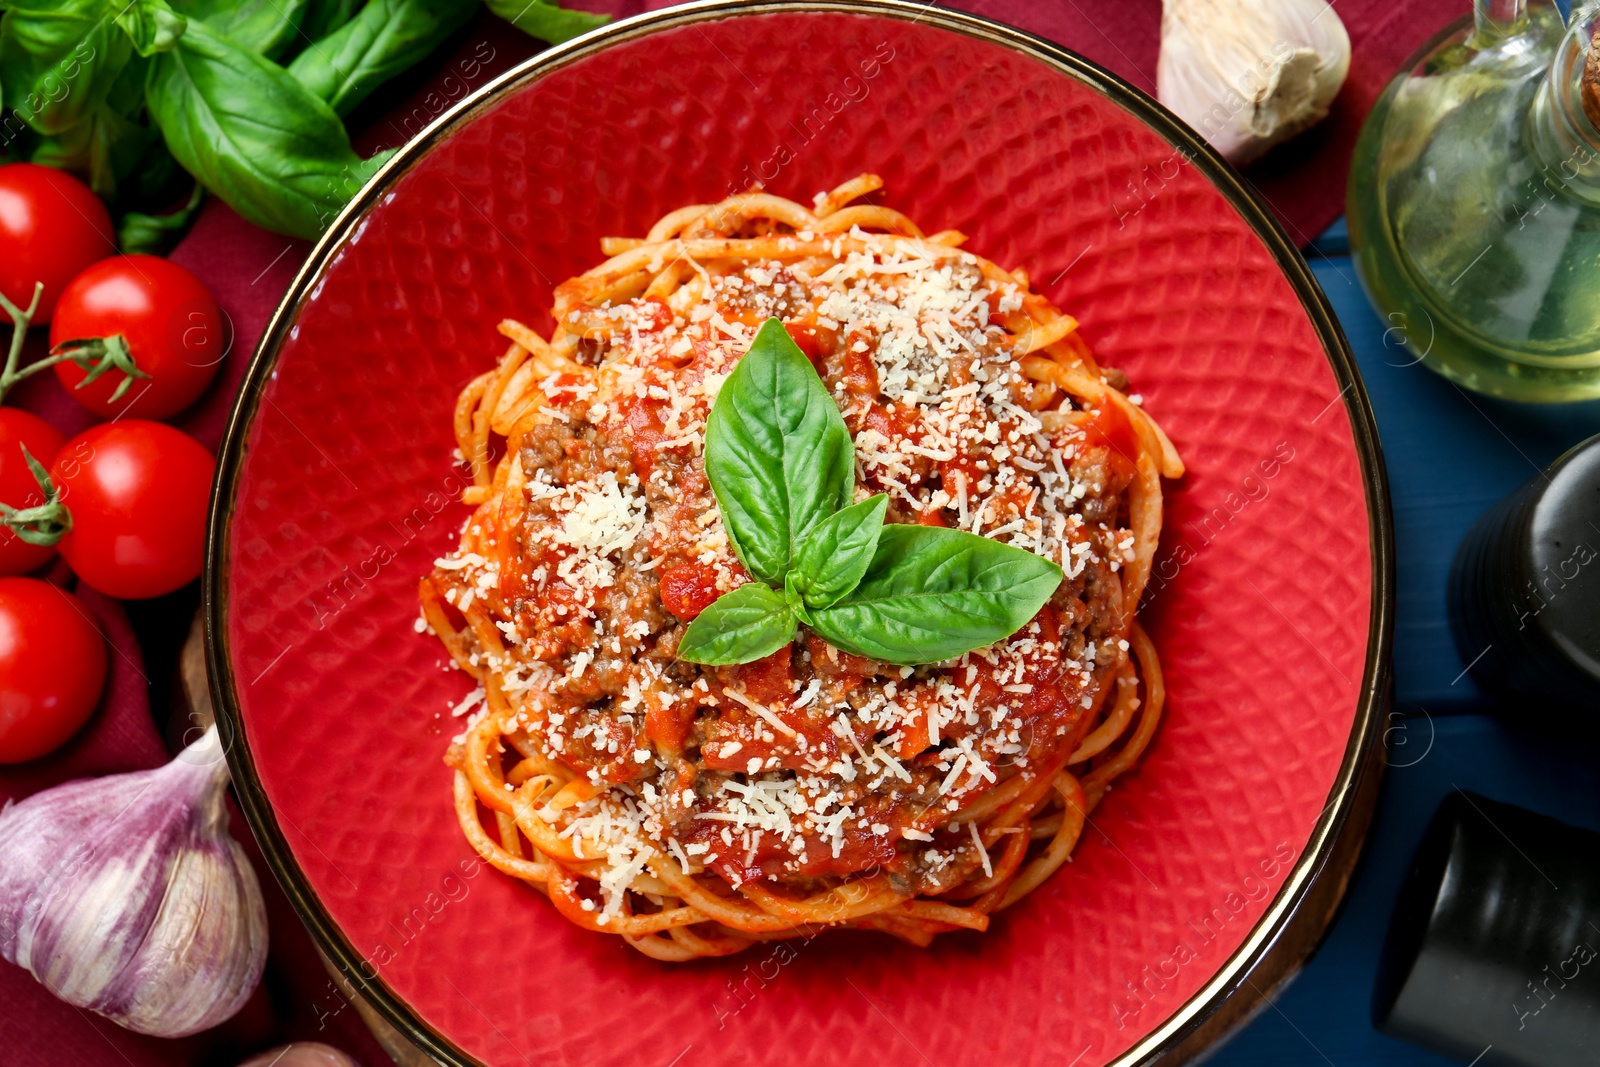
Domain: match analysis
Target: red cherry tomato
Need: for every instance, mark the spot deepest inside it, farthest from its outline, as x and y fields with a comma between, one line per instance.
x=137, y=492
x=169, y=320
x=18, y=487
x=52, y=667
x=51, y=227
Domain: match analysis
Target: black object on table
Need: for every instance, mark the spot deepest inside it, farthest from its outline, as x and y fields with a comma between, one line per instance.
x=1493, y=953
x=1525, y=590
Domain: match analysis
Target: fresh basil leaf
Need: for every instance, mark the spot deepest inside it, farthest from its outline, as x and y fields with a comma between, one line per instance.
x=322, y=17
x=834, y=556
x=67, y=150
x=58, y=60
x=931, y=594
x=544, y=20
x=254, y=135
x=126, y=152
x=151, y=25
x=744, y=625
x=777, y=453
x=264, y=26
x=110, y=144
x=386, y=38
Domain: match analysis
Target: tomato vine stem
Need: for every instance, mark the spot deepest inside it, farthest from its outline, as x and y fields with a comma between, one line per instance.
x=97, y=355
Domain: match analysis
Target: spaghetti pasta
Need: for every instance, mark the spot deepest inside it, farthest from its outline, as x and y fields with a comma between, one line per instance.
x=696, y=810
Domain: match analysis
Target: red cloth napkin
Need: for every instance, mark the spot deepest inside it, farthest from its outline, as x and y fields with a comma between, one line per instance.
x=249, y=269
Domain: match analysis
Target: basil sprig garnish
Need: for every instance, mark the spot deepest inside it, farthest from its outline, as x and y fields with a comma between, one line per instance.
x=782, y=467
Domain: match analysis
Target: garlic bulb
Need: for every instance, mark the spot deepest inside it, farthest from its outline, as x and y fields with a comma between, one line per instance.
x=1250, y=73
x=125, y=895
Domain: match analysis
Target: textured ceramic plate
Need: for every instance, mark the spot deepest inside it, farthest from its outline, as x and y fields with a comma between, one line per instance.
x=1206, y=875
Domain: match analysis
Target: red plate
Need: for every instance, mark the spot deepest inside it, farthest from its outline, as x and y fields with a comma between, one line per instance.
x=1213, y=868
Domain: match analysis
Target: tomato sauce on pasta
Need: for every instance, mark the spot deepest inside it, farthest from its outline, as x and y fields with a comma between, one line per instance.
x=694, y=810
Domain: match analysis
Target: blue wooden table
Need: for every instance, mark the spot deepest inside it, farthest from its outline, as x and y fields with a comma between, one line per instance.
x=1450, y=455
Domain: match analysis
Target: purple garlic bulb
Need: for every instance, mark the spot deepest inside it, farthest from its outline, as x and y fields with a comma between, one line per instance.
x=125, y=895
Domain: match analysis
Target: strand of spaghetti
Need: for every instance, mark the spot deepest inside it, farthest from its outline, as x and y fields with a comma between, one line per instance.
x=1018, y=812
x=1011, y=857
x=935, y=911
x=838, y=904
x=867, y=216
x=1047, y=333
x=466, y=803
x=984, y=806
x=729, y=215
x=483, y=772
x=1114, y=723
x=668, y=948
x=1075, y=380
x=544, y=836
x=518, y=355
x=732, y=913
x=948, y=238
x=473, y=447
x=671, y=277
x=510, y=840
x=564, y=894
x=518, y=396
x=580, y=294
x=1075, y=812
x=1096, y=780
x=534, y=764
x=1045, y=826
x=673, y=222
x=717, y=944
x=1144, y=521
x=840, y=195
x=911, y=931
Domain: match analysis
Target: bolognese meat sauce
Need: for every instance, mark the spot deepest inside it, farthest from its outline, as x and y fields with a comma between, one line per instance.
x=810, y=764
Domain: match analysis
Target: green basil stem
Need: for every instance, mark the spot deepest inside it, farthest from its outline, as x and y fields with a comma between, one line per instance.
x=43, y=524
x=94, y=354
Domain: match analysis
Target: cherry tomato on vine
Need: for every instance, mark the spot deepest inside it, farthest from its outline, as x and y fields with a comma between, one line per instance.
x=167, y=319
x=52, y=667
x=129, y=507
x=52, y=226
x=18, y=486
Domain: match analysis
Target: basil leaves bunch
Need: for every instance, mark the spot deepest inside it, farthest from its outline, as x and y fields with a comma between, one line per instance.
x=247, y=96
x=782, y=466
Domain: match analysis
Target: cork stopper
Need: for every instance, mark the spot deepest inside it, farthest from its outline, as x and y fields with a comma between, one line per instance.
x=1591, y=80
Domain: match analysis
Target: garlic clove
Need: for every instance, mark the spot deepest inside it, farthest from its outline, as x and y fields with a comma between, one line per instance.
x=1248, y=74
x=301, y=1054
x=126, y=896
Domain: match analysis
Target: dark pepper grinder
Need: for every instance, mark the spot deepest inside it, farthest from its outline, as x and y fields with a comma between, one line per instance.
x=1493, y=954
x=1525, y=589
